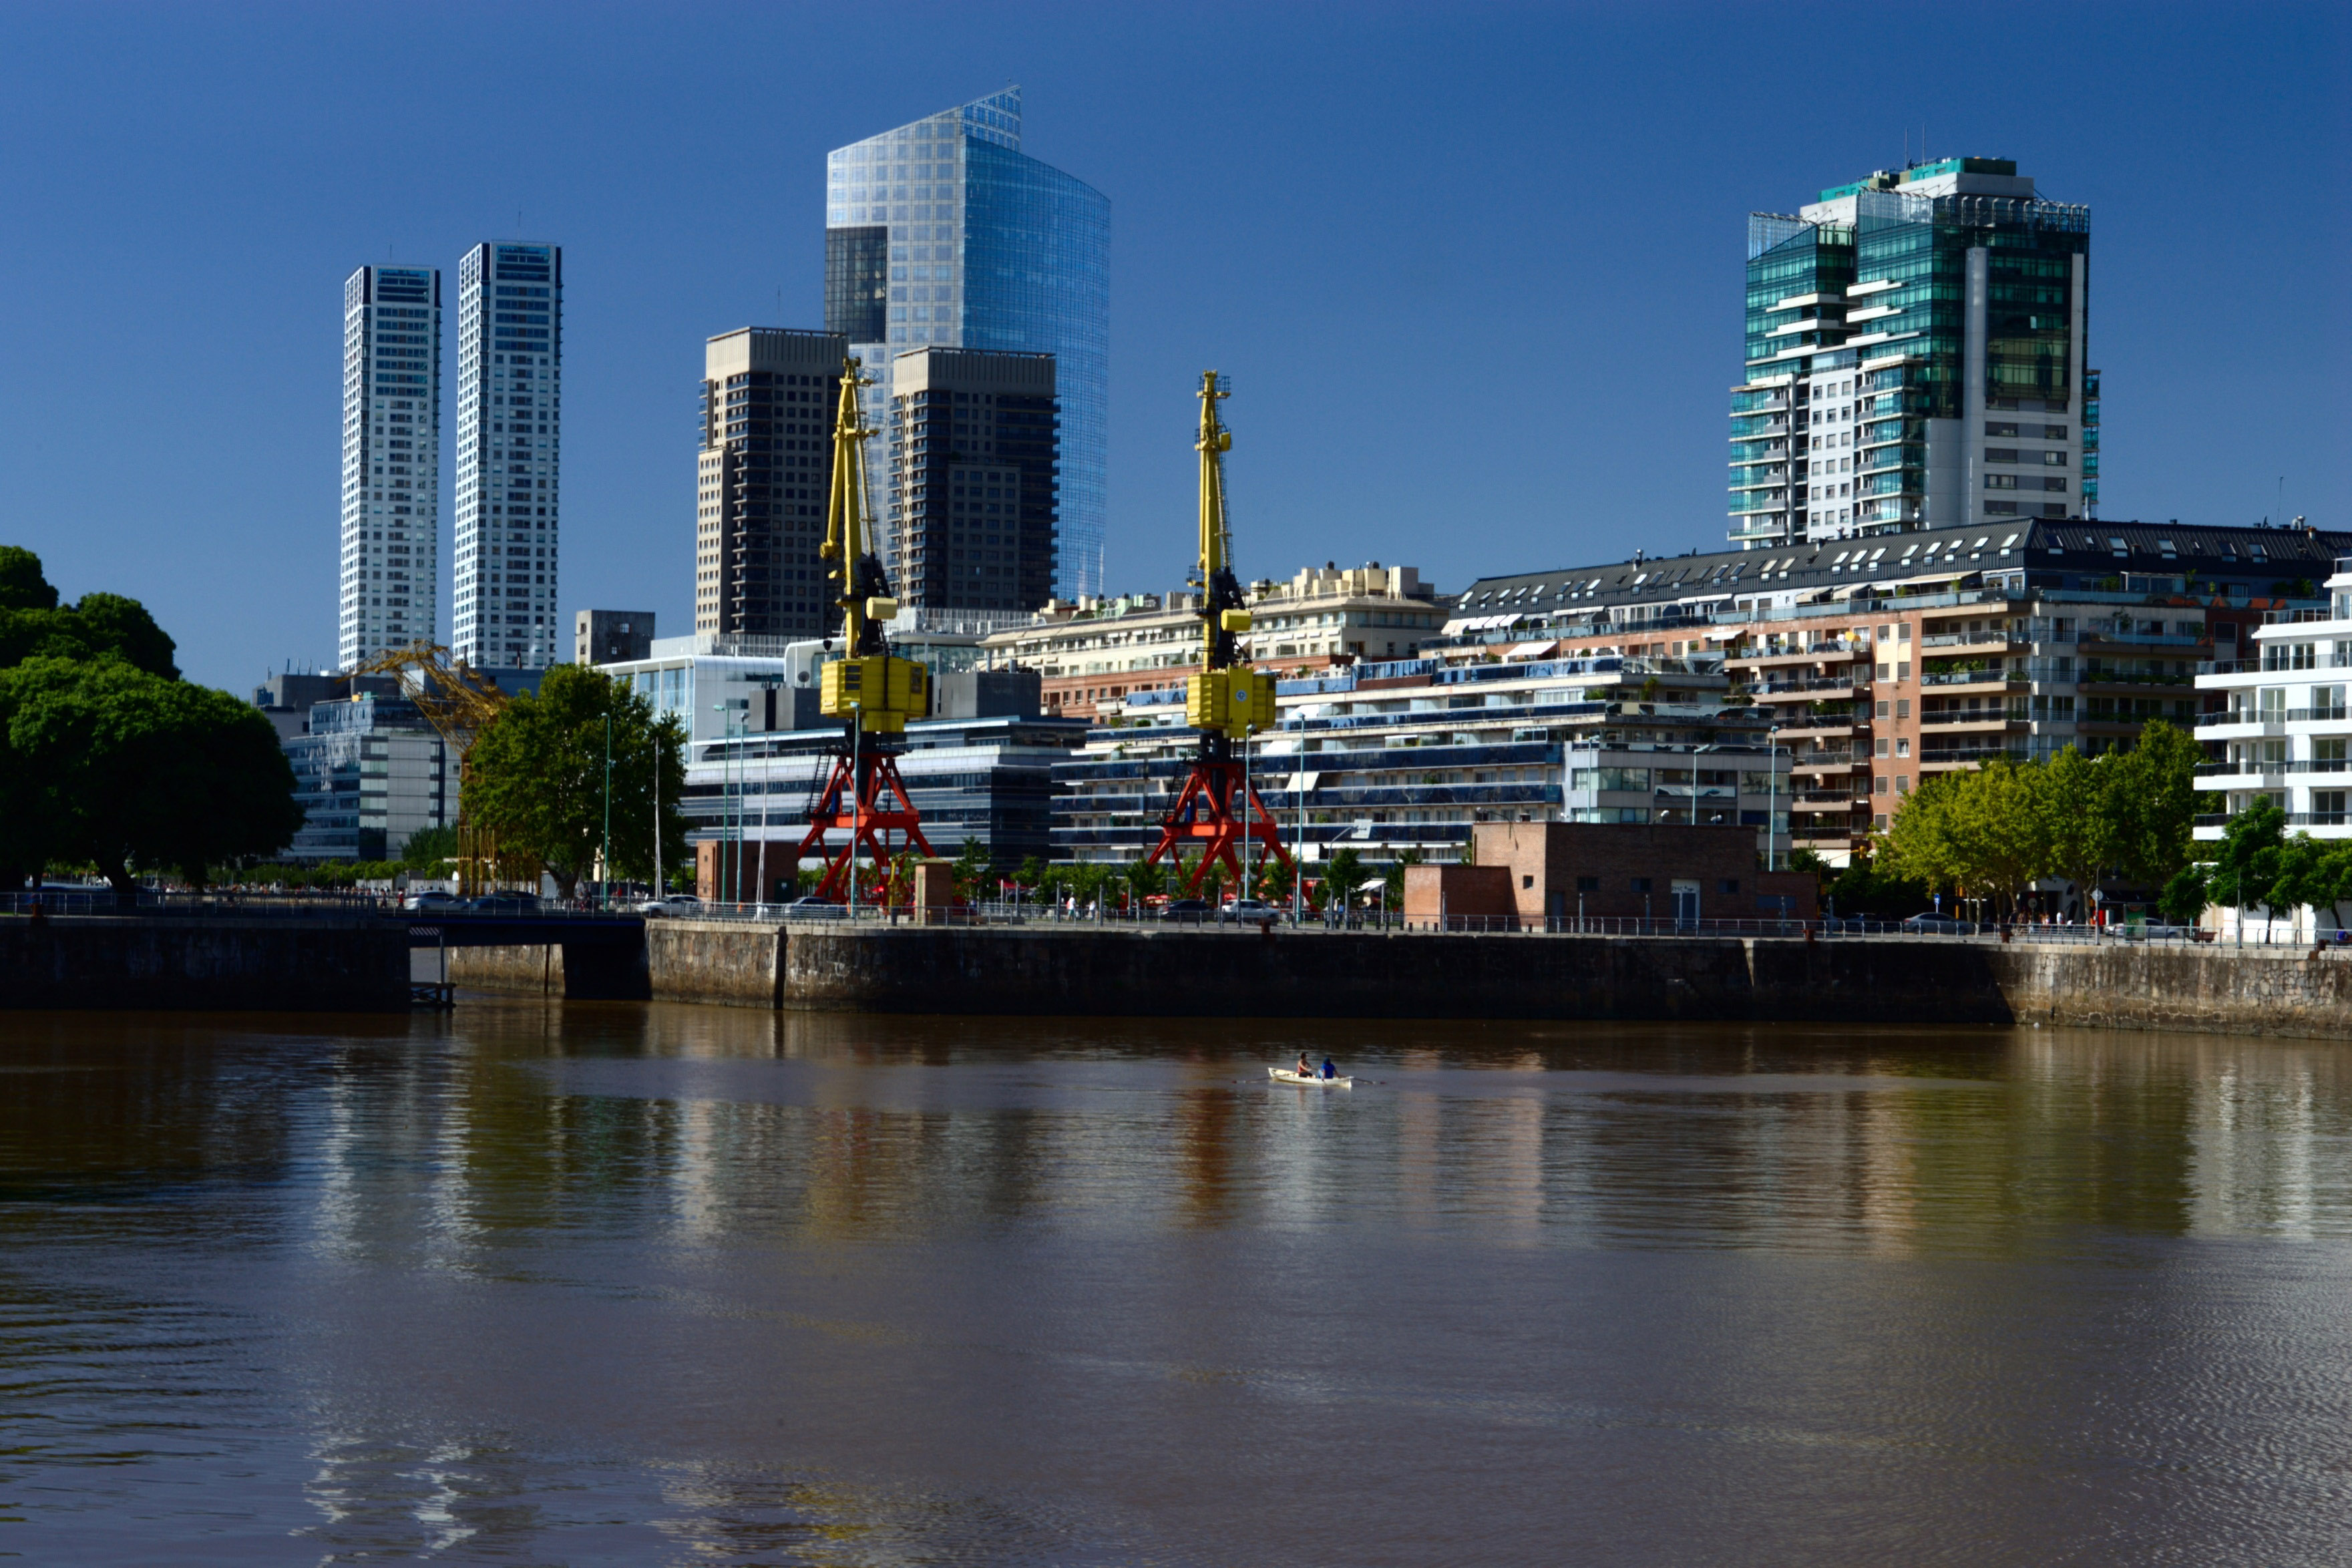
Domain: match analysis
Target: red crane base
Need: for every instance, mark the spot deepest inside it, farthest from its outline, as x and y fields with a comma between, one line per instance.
x=880, y=818
x=1204, y=816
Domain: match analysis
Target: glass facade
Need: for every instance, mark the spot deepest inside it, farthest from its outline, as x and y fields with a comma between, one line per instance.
x=978, y=245
x=387, y=588
x=1893, y=330
x=509, y=448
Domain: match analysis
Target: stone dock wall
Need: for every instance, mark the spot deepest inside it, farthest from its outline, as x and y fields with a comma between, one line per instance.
x=1108, y=973
x=175, y=964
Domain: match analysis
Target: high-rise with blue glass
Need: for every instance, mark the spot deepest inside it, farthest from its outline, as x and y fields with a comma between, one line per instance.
x=510, y=451
x=1916, y=359
x=942, y=234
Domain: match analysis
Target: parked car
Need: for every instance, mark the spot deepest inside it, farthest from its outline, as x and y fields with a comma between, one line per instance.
x=1185, y=912
x=503, y=904
x=1928, y=923
x=671, y=904
x=431, y=900
x=1248, y=911
x=809, y=907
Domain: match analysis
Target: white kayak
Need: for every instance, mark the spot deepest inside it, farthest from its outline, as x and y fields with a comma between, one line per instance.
x=1284, y=1075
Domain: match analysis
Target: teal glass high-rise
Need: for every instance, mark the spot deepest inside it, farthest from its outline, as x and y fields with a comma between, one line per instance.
x=1916, y=358
x=944, y=233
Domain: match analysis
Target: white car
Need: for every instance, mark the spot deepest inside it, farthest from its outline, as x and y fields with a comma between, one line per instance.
x=670, y=904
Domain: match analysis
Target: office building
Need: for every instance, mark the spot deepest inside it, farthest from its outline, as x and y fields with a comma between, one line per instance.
x=369, y=773
x=975, y=444
x=609, y=636
x=392, y=462
x=944, y=234
x=1916, y=359
x=510, y=444
x=763, y=475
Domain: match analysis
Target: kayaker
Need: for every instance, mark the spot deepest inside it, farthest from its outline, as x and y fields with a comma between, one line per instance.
x=1329, y=1071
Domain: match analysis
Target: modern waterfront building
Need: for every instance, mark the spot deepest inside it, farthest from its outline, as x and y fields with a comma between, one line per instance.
x=1094, y=653
x=369, y=773
x=763, y=475
x=509, y=449
x=1916, y=358
x=611, y=637
x=974, y=447
x=1882, y=662
x=2279, y=730
x=1404, y=757
x=389, y=580
x=944, y=233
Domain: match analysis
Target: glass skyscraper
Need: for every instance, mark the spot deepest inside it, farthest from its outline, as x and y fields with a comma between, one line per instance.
x=392, y=460
x=944, y=234
x=1916, y=348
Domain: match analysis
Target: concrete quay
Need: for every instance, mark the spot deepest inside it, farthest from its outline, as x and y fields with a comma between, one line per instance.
x=1087, y=971
x=215, y=962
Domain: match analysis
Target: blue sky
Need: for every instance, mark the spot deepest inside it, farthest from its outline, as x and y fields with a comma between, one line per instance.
x=1473, y=268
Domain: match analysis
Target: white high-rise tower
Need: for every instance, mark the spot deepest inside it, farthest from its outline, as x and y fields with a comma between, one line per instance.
x=510, y=439
x=392, y=460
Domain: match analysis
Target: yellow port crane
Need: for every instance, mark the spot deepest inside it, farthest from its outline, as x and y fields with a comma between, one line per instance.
x=1218, y=809
x=870, y=690
x=460, y=702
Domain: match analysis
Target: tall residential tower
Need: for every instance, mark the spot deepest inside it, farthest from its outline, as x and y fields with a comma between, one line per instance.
x=509, y=440
x=761, y=481
x=972, y=447
x=944, y=233
x=391, y=456
x=1916, y=359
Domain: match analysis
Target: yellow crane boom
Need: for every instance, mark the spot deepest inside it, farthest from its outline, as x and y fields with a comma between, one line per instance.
x=867, y=686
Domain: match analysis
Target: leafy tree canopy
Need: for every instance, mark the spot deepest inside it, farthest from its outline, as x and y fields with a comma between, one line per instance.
x=107, y=763
x=536, y=777
x=33, y=623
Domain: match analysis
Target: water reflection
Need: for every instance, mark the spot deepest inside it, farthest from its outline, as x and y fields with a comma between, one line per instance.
x=620, y=1284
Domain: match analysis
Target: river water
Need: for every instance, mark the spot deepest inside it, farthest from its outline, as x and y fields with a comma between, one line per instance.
x=630, y=1285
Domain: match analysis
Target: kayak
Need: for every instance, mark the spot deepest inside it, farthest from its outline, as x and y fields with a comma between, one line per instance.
x=1284, y=1075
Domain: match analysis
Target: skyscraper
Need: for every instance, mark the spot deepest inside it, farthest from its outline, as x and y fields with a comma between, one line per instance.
x=1915, y=358
x=972, y=446
x=391, y=457
x=761, y=481
x=510, y=444
x=944, y=234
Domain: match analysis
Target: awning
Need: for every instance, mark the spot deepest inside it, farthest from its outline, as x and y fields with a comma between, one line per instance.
x=1532, y=649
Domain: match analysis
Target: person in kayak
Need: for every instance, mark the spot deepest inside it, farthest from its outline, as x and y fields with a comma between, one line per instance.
x=1329, y=1070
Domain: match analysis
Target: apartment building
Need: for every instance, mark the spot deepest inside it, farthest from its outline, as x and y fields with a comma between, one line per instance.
x=509, y=450
x=2278, y=728
x=1097, y=652
x=1916, y=358
x=388, y=588
x=763, y=474
x=1882, y=662
x=369, y=773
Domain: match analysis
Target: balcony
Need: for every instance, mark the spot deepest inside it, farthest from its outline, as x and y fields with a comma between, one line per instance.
x=1799, y=655
x=1779, y=690
x=2269, y=770
x=2269, y=665
x=2293, y=818
x=1988, y=642
x=2274, y=716
x=1974, y=677
x=1966, y=756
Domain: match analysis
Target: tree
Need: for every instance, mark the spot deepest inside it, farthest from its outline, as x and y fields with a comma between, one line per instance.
x=428, y=848
x=2185, y=896
x=1148, y=879
x=972, y=866
x=2249, y=862
x=33, y=623
x=536, y=777
x=108, y=763
x=2151, y=802
x=1344, y=877
x=2072, y=798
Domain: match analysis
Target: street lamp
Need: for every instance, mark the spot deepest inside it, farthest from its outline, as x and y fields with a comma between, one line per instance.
x=605, y=847
x=1771, y=796
x=857, y=793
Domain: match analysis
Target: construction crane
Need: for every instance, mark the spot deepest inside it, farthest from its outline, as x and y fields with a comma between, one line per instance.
x=871, y=691
x=1218, y=809
x=460, y=702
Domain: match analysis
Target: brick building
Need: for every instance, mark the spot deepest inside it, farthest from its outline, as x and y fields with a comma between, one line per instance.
x=1540, y=872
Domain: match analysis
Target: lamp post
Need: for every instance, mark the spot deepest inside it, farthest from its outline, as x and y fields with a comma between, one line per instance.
x=1298, y=844
x=604, y=845
x=857, y=793
x=1771, y=796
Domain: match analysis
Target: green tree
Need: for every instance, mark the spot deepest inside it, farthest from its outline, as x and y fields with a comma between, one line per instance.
x=971, y=870
x=2251, y=857
x=2185, y=896
x=1344, y=876
x=1274, y=881
x=108, y=763
x=1148, y=879
x=537, y=777
x=1393, y=879
x=2151, y=803
x=428, y=848
x=1865, y=887
x=2070, y=797
x=34, y=625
